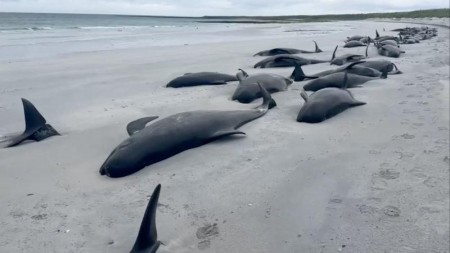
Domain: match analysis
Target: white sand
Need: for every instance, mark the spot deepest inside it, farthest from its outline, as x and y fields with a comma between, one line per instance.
x=374, y=178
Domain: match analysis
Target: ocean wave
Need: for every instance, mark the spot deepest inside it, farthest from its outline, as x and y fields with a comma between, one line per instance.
x=122, y=27
x=40, y=28
x=6, y=29
x=25, y=28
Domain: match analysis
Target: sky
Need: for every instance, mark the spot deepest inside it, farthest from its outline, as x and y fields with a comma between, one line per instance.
x=217, y=7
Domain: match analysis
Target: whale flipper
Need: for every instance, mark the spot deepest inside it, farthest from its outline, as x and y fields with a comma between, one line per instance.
x=139, y=124
x=147, y=240
x=35, y=126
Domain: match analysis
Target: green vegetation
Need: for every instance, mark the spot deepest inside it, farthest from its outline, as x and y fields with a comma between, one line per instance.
x=438, y=13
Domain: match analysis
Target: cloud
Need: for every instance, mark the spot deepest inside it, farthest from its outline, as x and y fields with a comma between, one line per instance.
x=217, y=7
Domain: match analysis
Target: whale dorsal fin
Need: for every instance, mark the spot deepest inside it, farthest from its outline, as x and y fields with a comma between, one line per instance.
x=147, y=239
x=334, y=53
x=377, y=34
x=367, y=49
x=33, y=118
x=139, y=124
x=317, y=50
x=35, y=125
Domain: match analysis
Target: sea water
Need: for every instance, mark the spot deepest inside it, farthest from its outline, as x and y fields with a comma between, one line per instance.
x=33, y=35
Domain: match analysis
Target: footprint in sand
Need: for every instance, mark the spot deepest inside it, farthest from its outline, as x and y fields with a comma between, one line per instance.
x=205, y=234
x=404, y=154
x=391, y=211
x=368, y=210
x=378, y=183
x=389, y=174
x=407, y=136
x=431, y=182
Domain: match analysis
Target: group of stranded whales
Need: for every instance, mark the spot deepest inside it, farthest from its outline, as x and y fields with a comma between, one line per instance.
x=154, y=142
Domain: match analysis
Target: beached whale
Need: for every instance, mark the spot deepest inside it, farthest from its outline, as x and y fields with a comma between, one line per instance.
x=201, y=78
x=248, y=89
x=283, y=50
x=341, y=80
x=354, y=68
x=382, y=65
x=389, y=42
x=285, y=60
x=36, y=127
x=325, y=103
x=342, y=59
x=389, y=50
x=355, y=43
x=175, y=134
x=379, y=38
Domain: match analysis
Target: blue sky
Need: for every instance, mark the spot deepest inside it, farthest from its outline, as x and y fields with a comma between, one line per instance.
x=217, y=7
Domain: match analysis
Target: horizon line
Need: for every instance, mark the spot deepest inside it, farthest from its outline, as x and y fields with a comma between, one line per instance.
x=227, y=16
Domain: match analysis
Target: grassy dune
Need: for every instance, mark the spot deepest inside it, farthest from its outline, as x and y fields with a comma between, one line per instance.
x=439, y=13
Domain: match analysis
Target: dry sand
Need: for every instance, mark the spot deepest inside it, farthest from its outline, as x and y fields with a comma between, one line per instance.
x=372, y=179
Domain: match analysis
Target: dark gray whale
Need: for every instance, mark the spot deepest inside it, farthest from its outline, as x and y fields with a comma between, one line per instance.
x=285, y=60
x=325, y=103
x=177, y=133
x=248, y=89
x=201, y=78
x=282, y=50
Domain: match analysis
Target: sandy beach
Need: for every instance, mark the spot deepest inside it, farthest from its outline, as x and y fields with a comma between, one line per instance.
x=375, y=178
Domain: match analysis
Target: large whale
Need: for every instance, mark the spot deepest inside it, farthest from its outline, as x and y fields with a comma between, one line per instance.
x=354, y=68
x=389, y=51
x=175, y=134
x=355, y=43
x=325, y=103
x=201, y=78
x=341, y=80
x=382, y=65
x=36, y=127
x=283, y=50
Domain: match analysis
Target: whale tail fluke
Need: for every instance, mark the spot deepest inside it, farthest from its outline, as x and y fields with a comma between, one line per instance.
x=35, y=126
x=147, y=240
